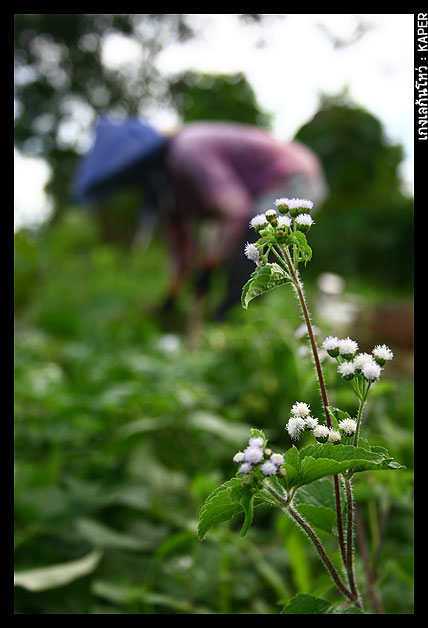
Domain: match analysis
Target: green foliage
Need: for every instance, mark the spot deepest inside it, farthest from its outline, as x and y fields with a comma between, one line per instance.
x=199, y=96
x=57, y=575
x=264, y=279
x=317, y=461
x=298, y=239
x=122, y=434
x=366, y=214
x=303, y=467
x=226, y=501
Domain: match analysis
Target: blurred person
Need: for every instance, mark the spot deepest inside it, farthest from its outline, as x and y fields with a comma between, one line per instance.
x=205, y=182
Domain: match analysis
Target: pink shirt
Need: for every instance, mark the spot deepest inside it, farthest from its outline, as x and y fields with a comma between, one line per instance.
x=218, y=169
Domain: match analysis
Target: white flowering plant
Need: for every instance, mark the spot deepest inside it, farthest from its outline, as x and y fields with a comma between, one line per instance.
x=338, y=450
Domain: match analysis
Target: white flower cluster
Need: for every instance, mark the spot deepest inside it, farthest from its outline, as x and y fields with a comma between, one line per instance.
x=257, y=453
x=289, y=214
x=297, y=208
x=252, y=252
x=345, y=347
x=287, y=204
x=301, y=421
x=369, y=365
x=258, y=222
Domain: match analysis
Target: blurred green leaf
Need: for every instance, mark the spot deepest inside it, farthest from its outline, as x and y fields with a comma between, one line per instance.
x=99, y=535
x=59, y=575
x=233, y=433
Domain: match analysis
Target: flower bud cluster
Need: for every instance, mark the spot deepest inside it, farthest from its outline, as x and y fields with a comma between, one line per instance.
x=293, y=206
x=259, y=457
x=293, y=213
x=301, y=421
x=297, y=209
x=353, y=364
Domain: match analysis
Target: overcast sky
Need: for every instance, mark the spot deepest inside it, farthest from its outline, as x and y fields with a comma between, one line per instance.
x=289, y=62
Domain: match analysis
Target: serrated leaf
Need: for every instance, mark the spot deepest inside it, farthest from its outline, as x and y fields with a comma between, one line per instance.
x=305, y=604
x=263, y=280
x=292, y=466
x=292, y=457
x=322, y=460
x=315, y=468
x=362, y=442
x=225, y=502
x=349, y=610
x=219, y=506
x=341, y=453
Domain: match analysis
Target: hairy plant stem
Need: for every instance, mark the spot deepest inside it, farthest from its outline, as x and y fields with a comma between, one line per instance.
x=287, y=507
x=350, y=543
x=318, y=546
x=305, y=311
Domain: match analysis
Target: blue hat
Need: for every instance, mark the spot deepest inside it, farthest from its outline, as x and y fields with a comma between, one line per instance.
x=122, y=154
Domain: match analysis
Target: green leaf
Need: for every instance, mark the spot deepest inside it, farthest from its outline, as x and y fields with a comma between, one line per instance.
x=305, y=604
x=254, y=433
x=319, y=493
x=233, y=433
x=247, y=501
x=315, y=468
x=59, y=575
x=298, y=239
x=292, y=467
x=263, y=280
x=100, y=535
x=362, y=442
x=337, y=415
x=322, y=460
x=292, y=457
x=344, y=454
x=227, y=500
x=220, y=505
x=318, y=516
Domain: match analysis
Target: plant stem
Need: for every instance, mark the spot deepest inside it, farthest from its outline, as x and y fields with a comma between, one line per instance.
x=314, y=538
x=279, y=257
x=301, y=296
x=359, y=417
x=318, y=546
x=350, y=543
